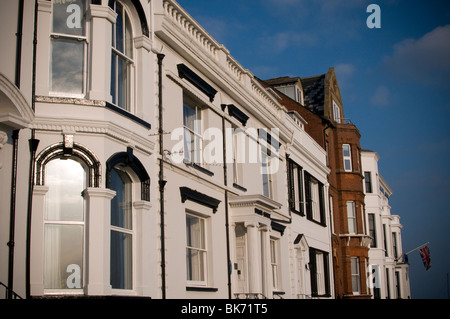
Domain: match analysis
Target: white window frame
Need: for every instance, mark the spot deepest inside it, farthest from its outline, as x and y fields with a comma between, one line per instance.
x=202, y=250
x=351, y=217
x=275, y=263
x=336, y=112
x=128, y=59
x=267, y=176
x=83, y=223
x=347, y=158
x=195, y=155
x=129, y=231
x=74, y=38
x=356, y=275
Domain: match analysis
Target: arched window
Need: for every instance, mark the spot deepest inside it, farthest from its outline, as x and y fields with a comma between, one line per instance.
x=64, y=219
x=122, y=58
x=66, y=173
x=68, y=48
x=121, y=230
x=125, y=175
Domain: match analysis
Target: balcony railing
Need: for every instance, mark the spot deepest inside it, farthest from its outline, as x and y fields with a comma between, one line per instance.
x=9, y=294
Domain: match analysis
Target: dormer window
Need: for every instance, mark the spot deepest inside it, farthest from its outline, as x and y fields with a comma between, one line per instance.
x=292, y=91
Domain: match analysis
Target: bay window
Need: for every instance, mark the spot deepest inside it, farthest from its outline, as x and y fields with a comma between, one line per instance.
x=351, y=217
x=347, y=157
x=121, y=231
x=121, y=58
x=68, y=58
x=356, y=277
x=64, y=228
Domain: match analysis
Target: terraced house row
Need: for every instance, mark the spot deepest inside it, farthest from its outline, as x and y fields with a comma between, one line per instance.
x=139, y=158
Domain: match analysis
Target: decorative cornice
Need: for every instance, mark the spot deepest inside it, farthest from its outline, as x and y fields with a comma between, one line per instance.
x=258, y=201
x=202, y=199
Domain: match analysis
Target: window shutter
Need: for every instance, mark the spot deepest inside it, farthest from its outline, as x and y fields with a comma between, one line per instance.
x=308, y=195
x=291, y=185
x=313, y=271
x=322, y=205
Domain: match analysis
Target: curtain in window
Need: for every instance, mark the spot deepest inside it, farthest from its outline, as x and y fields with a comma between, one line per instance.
x=64, y=225
x=195, y=250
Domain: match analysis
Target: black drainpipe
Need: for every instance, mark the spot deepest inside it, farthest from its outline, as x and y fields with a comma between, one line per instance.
x=15, y=137
x=12, y=221
x=227, y=224
x=19, y=43
x=162, y=182
x=33, y=144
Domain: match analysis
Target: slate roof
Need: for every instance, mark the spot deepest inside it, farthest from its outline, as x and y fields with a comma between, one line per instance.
x=314, y=93
x=313, y=90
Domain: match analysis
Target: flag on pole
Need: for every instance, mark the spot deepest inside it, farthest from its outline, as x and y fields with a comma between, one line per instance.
x=425, y=254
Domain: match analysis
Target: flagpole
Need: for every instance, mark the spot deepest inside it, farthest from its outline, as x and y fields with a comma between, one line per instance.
x=416, y=248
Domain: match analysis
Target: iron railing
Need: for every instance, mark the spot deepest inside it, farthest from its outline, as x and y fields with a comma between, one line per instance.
x=9, y=294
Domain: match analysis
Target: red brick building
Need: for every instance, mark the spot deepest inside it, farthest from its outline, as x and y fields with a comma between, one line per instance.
x=318, y=100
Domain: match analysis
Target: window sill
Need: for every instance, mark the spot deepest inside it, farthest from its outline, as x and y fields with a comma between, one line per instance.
x=199, y=168
x=239, y=187
x=201, y=289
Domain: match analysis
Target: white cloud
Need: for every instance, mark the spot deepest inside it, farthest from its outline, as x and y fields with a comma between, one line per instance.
x=381, y=97
x=424, y=60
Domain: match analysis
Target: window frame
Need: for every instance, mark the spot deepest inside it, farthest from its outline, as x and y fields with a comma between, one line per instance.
x=127, y=231
x=324, y=290
x=274, y=244
x=295, y=183
x=368, y=182
x=203, y=251
x=372, y=230
x=355, y=272
x=336, y=112
x=56, y=36
x=315, y=202
x=128, y=60
x=347, y=158
x=196, y=132
x=82, y=223
x=267, y=176
x=352, y=220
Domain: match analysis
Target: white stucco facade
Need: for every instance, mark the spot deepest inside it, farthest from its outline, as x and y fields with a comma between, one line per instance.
x=149, y=218
x=390, y=274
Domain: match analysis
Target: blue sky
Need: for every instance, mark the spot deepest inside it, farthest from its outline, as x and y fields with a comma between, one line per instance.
x=395, y=83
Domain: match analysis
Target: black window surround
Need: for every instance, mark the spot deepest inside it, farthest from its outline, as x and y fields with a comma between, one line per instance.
x=292, y=187
x=128, y=159
x=236, y=113
x=313, y=270
x=197, y=197
x=201, y=289
x=61, y=151
x=140, y=11
x=185, y=73
x=308, y=200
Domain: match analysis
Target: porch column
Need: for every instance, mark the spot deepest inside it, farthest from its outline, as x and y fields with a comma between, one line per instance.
x=98, y=202
x=254, y=258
